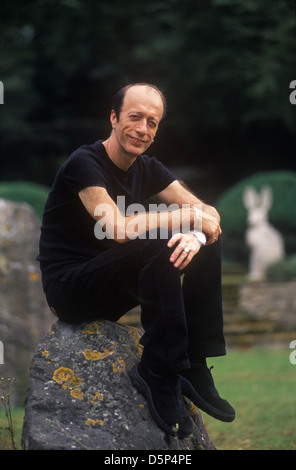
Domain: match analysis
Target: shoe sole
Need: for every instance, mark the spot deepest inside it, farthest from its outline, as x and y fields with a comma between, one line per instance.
x=189, y=391
x=142, y=387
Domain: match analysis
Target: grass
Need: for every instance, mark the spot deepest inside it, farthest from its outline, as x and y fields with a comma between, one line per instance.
x=5, y=439
x=260, y=384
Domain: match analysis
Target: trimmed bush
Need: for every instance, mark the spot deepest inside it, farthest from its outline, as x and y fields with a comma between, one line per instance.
x=21, y=191
x=282, y=270
x=281, y=215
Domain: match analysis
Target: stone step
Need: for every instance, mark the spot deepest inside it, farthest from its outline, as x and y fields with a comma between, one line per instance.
x=273, y=340
x=240, y=330
x=234, y=324
x=250, y=327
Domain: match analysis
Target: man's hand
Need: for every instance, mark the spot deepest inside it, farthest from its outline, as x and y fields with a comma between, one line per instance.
x=211, y=224
x=176, y=193
x=185, y=250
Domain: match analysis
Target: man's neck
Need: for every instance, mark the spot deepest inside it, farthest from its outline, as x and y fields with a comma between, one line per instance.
x=120, y=158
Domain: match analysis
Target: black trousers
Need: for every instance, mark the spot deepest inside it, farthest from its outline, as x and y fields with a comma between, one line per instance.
x=182, y=319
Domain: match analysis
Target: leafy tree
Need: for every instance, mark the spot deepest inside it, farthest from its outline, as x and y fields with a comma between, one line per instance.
x=224, y=65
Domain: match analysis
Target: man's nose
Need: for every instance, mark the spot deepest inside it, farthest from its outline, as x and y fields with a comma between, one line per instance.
x=142, y=127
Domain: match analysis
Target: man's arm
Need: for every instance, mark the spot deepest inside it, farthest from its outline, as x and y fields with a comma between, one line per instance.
x=102, y=208
x=210, y=223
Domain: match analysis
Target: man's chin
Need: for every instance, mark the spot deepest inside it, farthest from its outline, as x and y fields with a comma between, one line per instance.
x=136, y=150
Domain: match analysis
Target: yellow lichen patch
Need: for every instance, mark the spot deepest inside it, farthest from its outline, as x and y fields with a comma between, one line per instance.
x=98, y=397
x=95, y=327
x=77, y=393
x=33, y=277
x=66, y=378
x=92, y=355
x=134, y=332
x=92, y=422
x=193, y=409
x=119, y=366
x=46, y=354
x=136, y=335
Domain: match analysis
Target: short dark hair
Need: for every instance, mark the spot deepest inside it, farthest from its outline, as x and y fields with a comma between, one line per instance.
x=119, y=97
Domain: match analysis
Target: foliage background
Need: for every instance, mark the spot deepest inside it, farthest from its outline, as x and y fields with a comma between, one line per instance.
x=224, y=65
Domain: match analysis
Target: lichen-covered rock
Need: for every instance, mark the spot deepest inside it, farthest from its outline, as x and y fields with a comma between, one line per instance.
x=80, y=395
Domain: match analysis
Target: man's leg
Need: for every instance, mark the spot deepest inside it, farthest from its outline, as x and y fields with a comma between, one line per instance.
x=111, y=284
x=165, y=337
x=104, y=287
x=203, y=304
x=163, y=318
x=202, y=292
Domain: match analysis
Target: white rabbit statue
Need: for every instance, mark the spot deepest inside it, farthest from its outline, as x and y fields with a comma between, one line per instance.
x=266, y=243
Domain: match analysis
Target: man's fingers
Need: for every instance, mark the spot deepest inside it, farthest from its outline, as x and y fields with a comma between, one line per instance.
x=181, y=251
x=178, y=252
x=181, y=256
x=185, y=250
x=174, y=239
x=183, y=263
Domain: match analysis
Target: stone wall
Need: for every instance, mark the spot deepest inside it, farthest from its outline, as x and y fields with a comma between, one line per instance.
x=274, y=301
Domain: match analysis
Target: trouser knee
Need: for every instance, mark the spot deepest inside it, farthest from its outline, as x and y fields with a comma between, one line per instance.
x=155, y=242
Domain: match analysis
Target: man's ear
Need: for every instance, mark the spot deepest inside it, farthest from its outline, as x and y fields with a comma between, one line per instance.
x=113, y=118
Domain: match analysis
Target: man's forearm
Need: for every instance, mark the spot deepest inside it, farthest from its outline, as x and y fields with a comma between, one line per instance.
x=209, y=221
x=130, y=227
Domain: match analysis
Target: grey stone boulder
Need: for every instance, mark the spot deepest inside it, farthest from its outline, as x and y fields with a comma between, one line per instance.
x=80, y=396
x=24, y=314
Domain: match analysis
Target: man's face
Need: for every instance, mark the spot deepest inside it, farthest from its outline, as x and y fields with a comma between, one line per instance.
x=140, y=115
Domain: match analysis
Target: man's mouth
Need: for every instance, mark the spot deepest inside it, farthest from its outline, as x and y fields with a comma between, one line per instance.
x=137, y=141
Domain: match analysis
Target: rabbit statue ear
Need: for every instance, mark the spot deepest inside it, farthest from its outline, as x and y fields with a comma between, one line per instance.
x=266, y=197
x=250, y=197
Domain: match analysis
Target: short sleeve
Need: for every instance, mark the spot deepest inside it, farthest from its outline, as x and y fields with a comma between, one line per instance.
x=83, y=169
x=159, y=175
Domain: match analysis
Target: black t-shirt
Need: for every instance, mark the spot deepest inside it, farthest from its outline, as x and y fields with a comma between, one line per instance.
x=67, y=232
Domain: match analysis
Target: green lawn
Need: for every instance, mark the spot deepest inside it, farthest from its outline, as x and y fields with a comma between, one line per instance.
x=5, y=438
x=260, y=384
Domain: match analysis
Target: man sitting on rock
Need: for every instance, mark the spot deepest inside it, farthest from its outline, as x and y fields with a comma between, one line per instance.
x=100, y=256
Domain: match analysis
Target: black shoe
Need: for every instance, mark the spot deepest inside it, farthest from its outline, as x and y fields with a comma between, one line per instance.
x=165, y=400
x=198, y=385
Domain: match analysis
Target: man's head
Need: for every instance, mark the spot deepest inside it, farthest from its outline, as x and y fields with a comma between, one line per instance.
x=118, y=98
x=135, y=117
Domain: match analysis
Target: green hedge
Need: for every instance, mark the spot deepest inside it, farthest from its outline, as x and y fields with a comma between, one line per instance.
x=282, y=270
x=21, y=191
x=281, y=215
